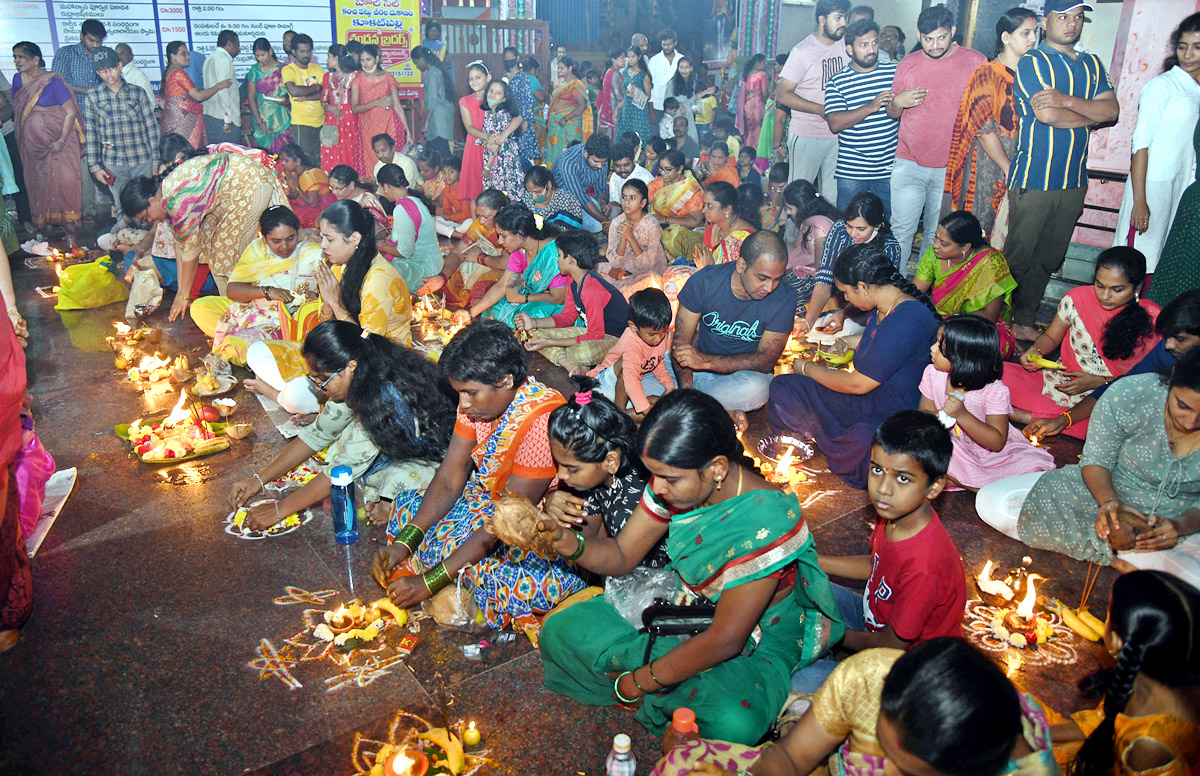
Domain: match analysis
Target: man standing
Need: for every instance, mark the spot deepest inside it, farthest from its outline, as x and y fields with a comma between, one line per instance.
x=583, y=170
x=121, y=134
x=74, y=64
x=624, y=169
x=286, y=40
x=1061, y=94
x=812, y=147
x=133, y=74
x=928, y=88
x=560, y=53
x=302, y=79
x=856, y=101
x=662, y=68
x=223, y=111
x=891, y=42
x=733, y=322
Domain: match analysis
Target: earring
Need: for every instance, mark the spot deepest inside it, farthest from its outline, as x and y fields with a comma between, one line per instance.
x=719, y=481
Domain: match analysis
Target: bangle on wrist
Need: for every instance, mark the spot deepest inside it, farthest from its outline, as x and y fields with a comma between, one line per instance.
x=436, y=579
x=661, y=684
x=638, y=684
x=411, y=537
x=261, y=485
x=617, y=689
x=1070, y=420
x=579, y=550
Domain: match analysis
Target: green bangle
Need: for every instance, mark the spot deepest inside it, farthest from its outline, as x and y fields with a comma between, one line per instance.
x=411, y=536
x=617, y=689
x=575, y=555
x=657, y=681
x=436, y=579
x=638, y=684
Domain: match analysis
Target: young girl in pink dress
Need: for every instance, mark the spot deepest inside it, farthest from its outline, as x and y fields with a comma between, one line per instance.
x=963, y=387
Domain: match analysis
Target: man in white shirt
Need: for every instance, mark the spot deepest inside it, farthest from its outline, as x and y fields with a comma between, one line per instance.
x=560, y=53
x=624, y=168
x=662, y=68
x=132, y=73
x=223, y=111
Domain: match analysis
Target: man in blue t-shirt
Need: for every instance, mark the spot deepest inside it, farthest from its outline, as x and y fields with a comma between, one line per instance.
x=733, y=323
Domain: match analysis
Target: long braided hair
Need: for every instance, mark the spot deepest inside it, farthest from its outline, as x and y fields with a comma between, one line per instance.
x=867, y=263
x=1157, y=617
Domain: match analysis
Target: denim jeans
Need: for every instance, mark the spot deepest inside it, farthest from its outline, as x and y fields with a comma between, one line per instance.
x=745, y=390
x=850, y=604
x=848, y=188
x=916, y=190
x=650, y=385
x=591, y=224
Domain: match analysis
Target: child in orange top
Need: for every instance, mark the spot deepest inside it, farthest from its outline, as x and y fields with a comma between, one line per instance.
x=638, y=364
x=454, y=215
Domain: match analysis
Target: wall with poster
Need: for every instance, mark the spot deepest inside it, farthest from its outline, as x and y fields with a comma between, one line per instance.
x=393, y=25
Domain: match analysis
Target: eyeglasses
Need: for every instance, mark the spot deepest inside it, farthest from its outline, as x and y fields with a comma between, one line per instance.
x=321, y=386
x=664, y=168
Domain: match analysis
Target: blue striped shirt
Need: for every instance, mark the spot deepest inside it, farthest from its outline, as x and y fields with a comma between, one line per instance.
x=573, y=173
x=867, y=150
x=74, y=64
x=839, y=240
x=1053, y=158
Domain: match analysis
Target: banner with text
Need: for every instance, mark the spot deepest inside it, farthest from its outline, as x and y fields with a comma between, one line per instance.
x=392, y=25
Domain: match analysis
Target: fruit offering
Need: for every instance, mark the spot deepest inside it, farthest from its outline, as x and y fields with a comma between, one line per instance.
x=177, y=436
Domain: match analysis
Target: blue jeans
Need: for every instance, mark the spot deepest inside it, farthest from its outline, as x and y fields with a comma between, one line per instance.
x=590, y=224
x=916, y=191
x=740, y=391
x=880, y=187
x=850, y=604
x=650, y=384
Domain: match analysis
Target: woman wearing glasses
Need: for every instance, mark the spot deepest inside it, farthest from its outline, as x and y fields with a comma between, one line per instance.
x=387, y=415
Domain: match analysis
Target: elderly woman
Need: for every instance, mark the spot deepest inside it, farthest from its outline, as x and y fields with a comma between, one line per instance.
x=388, y=416
x=1140, y=456
x=774, y=606
x=212, y=203
x=500, y=443
x=677, y=202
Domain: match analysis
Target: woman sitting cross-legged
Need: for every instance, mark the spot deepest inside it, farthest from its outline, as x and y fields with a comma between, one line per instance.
x=307, y=185
x=500, y=443
x=734, y=540
x=387, y=415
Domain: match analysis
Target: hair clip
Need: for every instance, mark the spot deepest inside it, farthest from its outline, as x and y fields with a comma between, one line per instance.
x=583, y=398
x=366, y=333
x=479, y=64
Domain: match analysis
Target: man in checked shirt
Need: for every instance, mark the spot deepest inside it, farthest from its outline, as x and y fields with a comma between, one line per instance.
x=121, y=132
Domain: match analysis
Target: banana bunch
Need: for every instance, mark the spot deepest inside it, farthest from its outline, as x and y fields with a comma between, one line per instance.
x=207, y=382
x=836, y=359
x=1080, y=620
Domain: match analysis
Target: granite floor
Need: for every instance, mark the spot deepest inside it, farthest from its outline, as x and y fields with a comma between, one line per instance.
x=147, y=613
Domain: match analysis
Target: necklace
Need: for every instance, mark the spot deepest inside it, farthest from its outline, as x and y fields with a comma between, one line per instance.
x=1194, y=441
x=895, y=301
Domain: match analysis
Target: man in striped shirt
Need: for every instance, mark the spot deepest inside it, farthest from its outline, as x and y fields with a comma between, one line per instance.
x=856, y=100
x=1061, y=94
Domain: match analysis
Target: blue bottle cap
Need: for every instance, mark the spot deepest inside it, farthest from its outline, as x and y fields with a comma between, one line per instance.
x=341, y=475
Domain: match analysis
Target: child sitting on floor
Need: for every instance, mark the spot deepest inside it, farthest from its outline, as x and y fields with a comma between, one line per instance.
x=454, y=213
x=963, y=388
x=774, y=214
x=725, y=131
x=602, y=307
x=429, y=163
x=601, y=477
x=746, y=169
x=916, y=587
x=636, y=368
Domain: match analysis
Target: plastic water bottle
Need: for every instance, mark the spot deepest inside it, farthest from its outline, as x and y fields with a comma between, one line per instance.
x=682, y=728
x=341, y=493
x=621, y=761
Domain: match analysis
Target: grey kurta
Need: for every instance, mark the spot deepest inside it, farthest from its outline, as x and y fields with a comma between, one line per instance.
x=439, y=121
x=1127, y=436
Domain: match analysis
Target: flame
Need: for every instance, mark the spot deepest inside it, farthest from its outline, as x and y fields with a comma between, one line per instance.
x=785, y=462
x=1033, y=440
x=1014, y=661
x=986, y=574
x=150, y=363
x=123, y=328
x=993, y=586
x=58, y=270
x=402, y=763
x=181, y=414
x=471, y=726
x=1025, y=609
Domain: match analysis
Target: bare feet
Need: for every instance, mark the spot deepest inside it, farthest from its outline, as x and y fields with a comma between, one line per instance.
x=1027, y=333
x=740, y=422
x=254, y=385
x=573, y=369
x=378, y=512
x=1121, y=567
x=9, y=639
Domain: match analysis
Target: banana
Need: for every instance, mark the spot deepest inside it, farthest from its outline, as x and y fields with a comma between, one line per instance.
x=1079, y=626
x=385, y=604
x=210, y=445
x=1091, y=620
x=448, y=743
x=834, y=358
x=1045, y=363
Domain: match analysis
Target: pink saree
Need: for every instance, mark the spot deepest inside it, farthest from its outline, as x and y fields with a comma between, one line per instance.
x=58, y=196
x=181, y=114
x=751, y=108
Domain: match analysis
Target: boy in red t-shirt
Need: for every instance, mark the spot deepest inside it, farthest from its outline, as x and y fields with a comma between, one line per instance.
x=453, y=213
x=916, y=587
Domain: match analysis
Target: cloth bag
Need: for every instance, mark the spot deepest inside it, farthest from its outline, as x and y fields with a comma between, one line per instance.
x=89, y=285
x=32, y=468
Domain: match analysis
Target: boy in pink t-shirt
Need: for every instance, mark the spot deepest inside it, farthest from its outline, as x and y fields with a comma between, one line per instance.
x=928, y=88
x=638, y=363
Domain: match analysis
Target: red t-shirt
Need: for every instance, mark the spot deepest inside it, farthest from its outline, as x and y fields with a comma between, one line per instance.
x=925, y=130
x=917, y=585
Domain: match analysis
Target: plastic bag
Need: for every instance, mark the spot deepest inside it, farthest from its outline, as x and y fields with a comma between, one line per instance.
x=146, y=292
x=89, y=285
x=32, y=468
x=454, y=607
x=633, y=593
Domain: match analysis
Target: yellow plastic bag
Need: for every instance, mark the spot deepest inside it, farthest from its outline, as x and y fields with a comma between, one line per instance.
x=94, y=284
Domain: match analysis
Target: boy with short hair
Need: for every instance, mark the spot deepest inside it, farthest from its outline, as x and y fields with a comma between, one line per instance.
x=724, y=130
x=705, y=110
x=454, y=214
x=636, y=371
x=666, y=125
x=774, y=213
x=915, y=583
x=604, y=311
x=593, y=78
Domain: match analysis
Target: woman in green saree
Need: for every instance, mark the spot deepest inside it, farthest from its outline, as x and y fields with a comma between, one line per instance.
x=268, y=99
x=531, y=282
x=734, y=540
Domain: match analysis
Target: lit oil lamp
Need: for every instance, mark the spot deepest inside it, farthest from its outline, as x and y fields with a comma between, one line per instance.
x=995, y=588
x=407, y=762
x=472, y=736
x=340, y=621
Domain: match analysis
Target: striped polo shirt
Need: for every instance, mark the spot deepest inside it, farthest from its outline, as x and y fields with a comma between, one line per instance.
x=1051, y=158
x=866, y=150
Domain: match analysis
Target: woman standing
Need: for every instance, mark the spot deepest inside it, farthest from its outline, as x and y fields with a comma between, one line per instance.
x=752, y=100
x=731, y=219
x=470, y=110
x=813, y=218
x=610, y=92
x=570, y=114
x=637, y=112
x=635, y=257
x=340, y=143
x=522, y=85
x=688, y=87
x=985, y=131
x=1100, y=332
x=307, y=185
x=268, y=99
x=419, y=260
x=375, y=98
x=501, y=155
x=439, y=112
x=735, y=541
x=1163, y=158
x=841, y=409
x=49, y=139
x=182, y=113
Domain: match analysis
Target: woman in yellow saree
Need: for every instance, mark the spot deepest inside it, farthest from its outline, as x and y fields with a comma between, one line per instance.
x=677, y=202
x=570, y=113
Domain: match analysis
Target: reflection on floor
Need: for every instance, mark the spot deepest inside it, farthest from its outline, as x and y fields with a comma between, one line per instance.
x=148, y=614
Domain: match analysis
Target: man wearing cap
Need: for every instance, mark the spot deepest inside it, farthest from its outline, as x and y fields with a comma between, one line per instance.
x=120, y=131
x=1061, y=94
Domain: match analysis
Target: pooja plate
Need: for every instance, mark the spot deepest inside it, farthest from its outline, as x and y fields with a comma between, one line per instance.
x=225, y=384
x=233, y=522
x=122, y=431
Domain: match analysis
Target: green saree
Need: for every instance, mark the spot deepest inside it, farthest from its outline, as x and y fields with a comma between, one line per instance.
x=756, y=535
x=537, y=277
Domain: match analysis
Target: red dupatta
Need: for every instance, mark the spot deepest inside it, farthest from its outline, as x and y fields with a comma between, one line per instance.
x=604, y=103
x=1094, y=319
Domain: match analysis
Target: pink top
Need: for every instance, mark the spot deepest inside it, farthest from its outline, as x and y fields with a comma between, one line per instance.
x=972, y=464
x=803, y=258
x=925, y=130
x=810, y=65
x=518, y=261
x=638, y=359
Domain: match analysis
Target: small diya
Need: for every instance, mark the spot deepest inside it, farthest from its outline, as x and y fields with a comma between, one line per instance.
x=350, y=626
x=406, y=762
x=1023, y=627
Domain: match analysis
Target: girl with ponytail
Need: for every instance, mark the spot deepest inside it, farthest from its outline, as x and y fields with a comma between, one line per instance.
x=731, y=219
x=388, y=415
x=841, y=409
x=1150, y=719
x=1100, y=332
